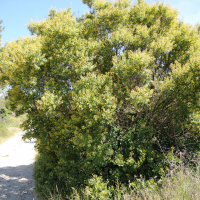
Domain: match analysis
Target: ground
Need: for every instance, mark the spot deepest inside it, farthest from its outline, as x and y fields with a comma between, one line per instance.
x=16, y=169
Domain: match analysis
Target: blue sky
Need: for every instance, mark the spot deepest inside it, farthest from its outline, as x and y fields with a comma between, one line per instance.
x=17, y=13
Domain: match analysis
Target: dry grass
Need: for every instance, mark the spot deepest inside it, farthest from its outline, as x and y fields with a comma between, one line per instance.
x=185, y=184
x=10, y=127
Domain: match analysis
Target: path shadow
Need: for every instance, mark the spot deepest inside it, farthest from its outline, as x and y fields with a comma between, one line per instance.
x=17, y=183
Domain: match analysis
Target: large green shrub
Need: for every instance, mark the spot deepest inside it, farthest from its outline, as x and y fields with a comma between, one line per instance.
x=110, y=93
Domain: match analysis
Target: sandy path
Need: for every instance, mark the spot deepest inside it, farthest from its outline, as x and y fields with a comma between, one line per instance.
x=16, y=169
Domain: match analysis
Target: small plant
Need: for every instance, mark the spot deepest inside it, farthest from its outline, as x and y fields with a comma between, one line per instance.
x=56, y=195
x=97, y=189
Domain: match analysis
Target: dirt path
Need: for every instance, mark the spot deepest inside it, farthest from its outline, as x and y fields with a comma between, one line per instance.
x=16, y=169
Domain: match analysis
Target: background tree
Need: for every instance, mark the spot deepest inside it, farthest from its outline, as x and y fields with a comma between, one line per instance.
x=2, y=100
x=1, y=29
x=112, y=93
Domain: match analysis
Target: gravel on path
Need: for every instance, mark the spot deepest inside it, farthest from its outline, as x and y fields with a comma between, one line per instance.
x=16, y=169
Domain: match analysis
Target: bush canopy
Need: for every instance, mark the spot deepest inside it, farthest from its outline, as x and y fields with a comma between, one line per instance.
x=111, y=93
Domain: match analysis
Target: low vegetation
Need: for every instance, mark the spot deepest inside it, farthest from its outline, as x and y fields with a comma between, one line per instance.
x=181, y=182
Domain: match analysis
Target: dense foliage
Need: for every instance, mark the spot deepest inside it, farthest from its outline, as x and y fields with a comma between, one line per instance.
x=110, y=93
